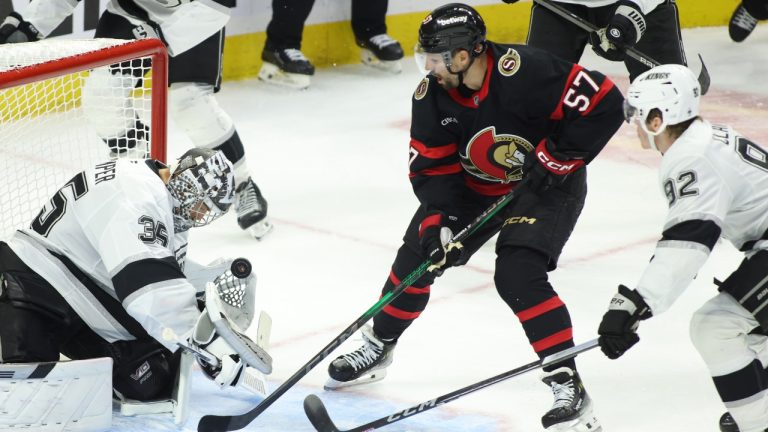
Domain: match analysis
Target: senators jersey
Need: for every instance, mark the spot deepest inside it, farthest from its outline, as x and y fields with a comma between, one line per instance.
x=716, y=184
x=478, y=140
x=113, y=224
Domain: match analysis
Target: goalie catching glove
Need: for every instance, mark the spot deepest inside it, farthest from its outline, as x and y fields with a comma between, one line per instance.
x=15, y=30
x=619, y=325
x=220, y=330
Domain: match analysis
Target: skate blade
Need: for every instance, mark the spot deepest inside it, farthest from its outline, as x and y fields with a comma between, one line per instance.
x=260, y=229
x=586, y=423
x=369, y=59
x=373, y=377
x=272, y=74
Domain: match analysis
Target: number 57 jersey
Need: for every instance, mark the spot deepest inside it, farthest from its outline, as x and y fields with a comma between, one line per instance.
x=716, y=183
x=479, y=139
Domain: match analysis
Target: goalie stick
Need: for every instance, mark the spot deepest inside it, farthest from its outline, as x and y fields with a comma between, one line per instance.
x=318, y=414
x=704, y=80
x=220, y=423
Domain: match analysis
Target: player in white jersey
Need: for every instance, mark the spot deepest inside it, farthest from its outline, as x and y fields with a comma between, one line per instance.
x=100, y=272
x=716, y=183
x=193, y=32
x=651, y=26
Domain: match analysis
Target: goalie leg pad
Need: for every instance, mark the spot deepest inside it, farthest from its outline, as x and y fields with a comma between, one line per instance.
x=56, y=396
x=144, y=369
x=749, y=286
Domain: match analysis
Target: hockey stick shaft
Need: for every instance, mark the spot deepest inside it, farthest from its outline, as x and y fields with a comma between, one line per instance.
x=632, y=52
x=318, y=414
x=217, y=423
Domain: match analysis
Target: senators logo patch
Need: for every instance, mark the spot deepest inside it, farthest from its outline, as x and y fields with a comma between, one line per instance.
x=421, y=89
x=509, y=63
x=495, y=157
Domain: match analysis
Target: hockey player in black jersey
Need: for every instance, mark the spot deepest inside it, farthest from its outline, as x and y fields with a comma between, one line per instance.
x=485, y=118
x=102, y=272
x=193, y=32
x=651, y=26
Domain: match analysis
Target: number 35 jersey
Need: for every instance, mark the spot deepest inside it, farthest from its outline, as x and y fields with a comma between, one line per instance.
x=478, y=140
x=113, y=224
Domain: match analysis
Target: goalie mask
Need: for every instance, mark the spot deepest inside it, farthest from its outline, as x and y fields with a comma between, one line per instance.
x=202, y=187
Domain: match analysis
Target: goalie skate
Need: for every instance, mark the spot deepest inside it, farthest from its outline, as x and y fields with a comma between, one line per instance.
x=367, y=364
x=572, y=410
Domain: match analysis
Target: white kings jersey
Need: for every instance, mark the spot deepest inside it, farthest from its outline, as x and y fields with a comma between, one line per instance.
x=113, y=223
x=716, y=183
x=183, y=23
x=645, y=5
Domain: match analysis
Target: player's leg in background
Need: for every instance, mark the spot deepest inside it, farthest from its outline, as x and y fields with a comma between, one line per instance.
x=284, y=63
x=734, y=346
x=533, y=236
x=195, y=77
x=111, y=111
x=552, y=33
x=369, y=26
x=662, y=40
x=368, y=363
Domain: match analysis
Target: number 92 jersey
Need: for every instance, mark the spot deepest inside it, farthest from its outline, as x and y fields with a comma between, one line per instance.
x=479, y=139
x=716, y=183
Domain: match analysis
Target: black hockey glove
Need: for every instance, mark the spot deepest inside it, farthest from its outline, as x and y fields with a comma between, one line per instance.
x=619, y=325
x=624, y=30
x=15, y=30
x=433, y=237
x=545, y=168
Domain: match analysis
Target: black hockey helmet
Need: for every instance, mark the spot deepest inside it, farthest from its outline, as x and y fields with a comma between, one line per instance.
x=451, y=27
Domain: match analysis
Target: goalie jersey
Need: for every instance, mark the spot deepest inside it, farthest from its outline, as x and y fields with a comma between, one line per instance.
x=113, y=224
x=716, y=184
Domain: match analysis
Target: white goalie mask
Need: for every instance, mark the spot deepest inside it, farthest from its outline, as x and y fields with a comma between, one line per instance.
x=202, y=186
x=672, y=89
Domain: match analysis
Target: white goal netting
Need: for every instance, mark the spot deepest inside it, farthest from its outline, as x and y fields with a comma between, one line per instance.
x=68, y=104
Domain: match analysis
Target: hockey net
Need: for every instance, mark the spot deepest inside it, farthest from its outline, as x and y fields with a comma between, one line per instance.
x=68, y=104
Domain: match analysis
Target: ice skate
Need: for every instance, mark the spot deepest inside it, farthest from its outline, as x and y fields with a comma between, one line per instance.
x=365, y=365
x=251, y=208
x=728, y=424
x=286, y=67
x=381, y=52
x=572, y=410
x=741, y=25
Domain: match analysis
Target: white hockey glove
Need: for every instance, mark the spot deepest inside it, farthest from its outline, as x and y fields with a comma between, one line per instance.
x=15, y=30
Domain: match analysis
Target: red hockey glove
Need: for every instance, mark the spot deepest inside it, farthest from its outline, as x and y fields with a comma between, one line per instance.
x=624, y=30
x=545, y=168
x=619, y=324
x=434, y=236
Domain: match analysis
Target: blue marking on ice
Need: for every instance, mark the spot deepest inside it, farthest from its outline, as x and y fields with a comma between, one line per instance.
x=347, y=410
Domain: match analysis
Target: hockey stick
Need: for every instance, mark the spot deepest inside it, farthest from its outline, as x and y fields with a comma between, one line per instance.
x=576, y=20
x=217, y=423
x=320, y=419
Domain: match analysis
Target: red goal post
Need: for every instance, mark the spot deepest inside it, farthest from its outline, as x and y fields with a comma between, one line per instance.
x=68, y=104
